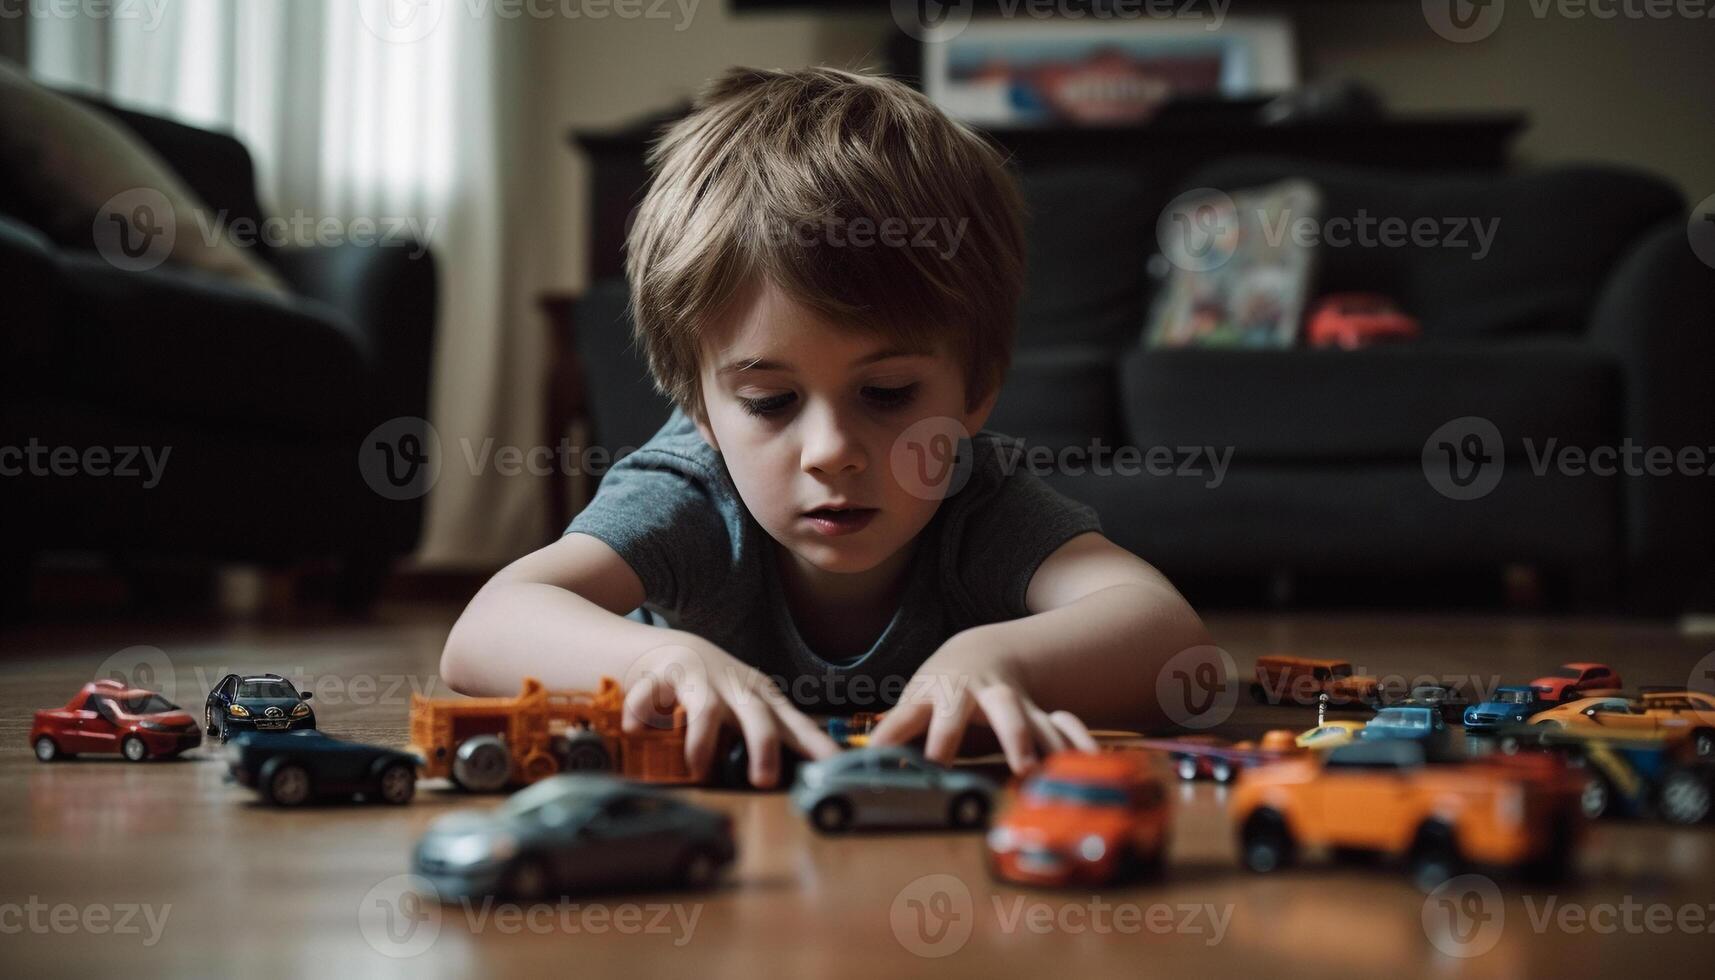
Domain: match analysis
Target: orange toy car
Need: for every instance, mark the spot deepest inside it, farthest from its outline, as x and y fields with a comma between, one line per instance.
x=1300, y=680
x=1083, y=818
x=1670, y=714
x=1387, y=797
x=1573, y=681
x=487, y=744
x=1353, y=320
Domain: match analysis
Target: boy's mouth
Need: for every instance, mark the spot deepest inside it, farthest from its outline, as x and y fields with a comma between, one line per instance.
x=835, y=521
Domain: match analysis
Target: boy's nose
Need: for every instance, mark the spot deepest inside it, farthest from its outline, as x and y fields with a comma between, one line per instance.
x=830, y=447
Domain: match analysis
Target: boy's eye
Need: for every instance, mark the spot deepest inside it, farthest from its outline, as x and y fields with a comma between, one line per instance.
x=890, y=397
x=771, y=405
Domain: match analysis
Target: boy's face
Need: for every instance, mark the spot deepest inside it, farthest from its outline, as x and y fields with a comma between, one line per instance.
x=808, y=416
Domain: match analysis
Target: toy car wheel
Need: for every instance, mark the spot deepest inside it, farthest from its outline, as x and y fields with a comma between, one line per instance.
x=698, y=869
x=527, y=879
x=482, y=764
x=208, y=723
x=398, y=783
x=1221, y=771
x=288, y=785
x=47, y=750
x=968, y=810
x=1510, y=745
x=1596, y=797
x=1434, y=856
x=585, y=752
x=1684, y=797
x=832, y=815
x=1186, y=767
x=1265, y=843
x=1703, y=741
x=223, y=733
x=134, y=749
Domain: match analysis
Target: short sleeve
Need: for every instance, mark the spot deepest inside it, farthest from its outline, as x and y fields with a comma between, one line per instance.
x=1005, y=536
x=667, y=522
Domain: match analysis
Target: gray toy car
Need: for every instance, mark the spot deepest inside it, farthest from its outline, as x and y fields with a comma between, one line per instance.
x=575, y=833
x=890, y=787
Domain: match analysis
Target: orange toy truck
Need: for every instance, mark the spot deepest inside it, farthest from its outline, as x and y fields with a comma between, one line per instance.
x=487, y=744
x=1284, y=679
x=1388, y=797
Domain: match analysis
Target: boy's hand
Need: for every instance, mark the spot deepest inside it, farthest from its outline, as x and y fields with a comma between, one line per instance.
x=715, y=687
x=962, y=679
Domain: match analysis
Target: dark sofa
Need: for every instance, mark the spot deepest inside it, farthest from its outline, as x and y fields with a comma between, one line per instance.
x=260, y=402
x=1589, y=322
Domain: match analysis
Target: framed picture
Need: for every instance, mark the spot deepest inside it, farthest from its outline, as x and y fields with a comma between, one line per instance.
x=1023, y=72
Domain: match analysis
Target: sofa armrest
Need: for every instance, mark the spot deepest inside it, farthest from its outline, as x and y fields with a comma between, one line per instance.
x=1655, y=315
x=389, y=294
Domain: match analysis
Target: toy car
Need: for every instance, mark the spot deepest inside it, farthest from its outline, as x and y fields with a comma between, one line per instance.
x=1630, y=774
x=575, y=833
x=1300, y=680
x=893, y=786
x=1329, y=735
x=1573, y=681
x=1353, y=320
x=294, y=768
x=1672, y=715
x=1449, y=701
x=107, y=716
x=1413, y=721
x=255, y=703
x=1083, y=819
x=1507, y=706
x=1207, y=757
x=1393, y=797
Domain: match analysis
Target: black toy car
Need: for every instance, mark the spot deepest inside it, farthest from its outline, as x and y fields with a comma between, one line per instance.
x=255, y=703
x=292, y=768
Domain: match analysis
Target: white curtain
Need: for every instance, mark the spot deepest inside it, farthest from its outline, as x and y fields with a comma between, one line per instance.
x=352, y=109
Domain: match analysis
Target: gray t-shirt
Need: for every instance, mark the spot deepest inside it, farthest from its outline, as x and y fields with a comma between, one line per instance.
x=671, y=511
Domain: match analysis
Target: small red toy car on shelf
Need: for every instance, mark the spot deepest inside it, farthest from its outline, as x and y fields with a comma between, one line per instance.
x=1574, y=681
x=1083, y=819
x=1353, y=320
x=107, y=716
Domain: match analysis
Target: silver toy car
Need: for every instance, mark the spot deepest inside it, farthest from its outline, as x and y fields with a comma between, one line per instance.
x=890, y=787
x=575, y=833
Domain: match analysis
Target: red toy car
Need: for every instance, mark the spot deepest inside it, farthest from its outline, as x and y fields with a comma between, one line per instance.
x=1574, y=681
x=107, y=716
x=1083, y=818
x=1353, y=320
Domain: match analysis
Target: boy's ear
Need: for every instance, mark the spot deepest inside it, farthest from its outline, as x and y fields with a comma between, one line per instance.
x=978, y=416
x=701, y=419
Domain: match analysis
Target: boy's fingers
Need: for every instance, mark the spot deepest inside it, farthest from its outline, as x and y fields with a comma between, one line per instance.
x=802, y=734
x=702, y=735
x=643, y=704
x=761, y=739
x=1071, y=726
x=903, y=723
x=947, y=728
x=1005, y=716
x=1046, y=734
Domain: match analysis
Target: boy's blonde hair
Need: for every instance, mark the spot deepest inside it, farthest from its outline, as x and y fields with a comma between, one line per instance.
x=851, y=193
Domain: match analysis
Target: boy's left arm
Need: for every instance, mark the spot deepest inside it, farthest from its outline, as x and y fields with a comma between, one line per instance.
x=1102, y=624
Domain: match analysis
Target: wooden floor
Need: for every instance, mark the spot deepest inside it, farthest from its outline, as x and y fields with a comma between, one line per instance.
x=110, y=868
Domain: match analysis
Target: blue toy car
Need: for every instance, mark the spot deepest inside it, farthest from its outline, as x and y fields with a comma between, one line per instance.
x=255, y=703
x=1507, y=706
x=1419, y=722
x=293, y=768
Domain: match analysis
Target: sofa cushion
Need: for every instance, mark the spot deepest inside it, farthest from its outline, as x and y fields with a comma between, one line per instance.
x=1088, y=237
x=1509, y=256
x=1059, y=397
x=189, y=345
x=1379, y=403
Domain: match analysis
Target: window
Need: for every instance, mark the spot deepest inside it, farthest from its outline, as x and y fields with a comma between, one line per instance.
x=266, y=688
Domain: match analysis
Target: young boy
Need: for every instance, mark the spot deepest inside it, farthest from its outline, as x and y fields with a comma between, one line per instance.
x=824, y=277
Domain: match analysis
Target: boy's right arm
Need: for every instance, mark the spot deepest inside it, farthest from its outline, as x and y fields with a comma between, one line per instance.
x=558, y=614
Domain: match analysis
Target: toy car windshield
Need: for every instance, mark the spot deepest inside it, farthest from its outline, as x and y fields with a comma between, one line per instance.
x=1086, y=794
x=1570, y=673
x=1514, y=697
x=148, y=704
x=1402, y=719
x=266, y=689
